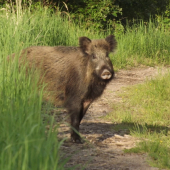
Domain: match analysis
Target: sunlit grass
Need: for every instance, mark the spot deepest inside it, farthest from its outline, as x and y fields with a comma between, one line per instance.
x=157, y=150
x=147, y=44
x=25, y=143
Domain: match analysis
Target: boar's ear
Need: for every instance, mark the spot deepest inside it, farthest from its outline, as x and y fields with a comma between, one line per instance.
x=84, y=44
x=112, y=42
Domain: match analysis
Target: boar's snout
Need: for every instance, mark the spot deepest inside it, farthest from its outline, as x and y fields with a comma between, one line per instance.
x=106, y=74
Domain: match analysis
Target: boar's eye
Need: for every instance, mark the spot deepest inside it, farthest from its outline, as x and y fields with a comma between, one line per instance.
x=93, y=56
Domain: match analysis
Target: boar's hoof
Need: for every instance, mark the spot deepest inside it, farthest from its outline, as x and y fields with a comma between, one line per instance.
x=76, y=139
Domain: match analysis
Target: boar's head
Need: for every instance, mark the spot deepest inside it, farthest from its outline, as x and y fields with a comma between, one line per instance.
x=97, y=52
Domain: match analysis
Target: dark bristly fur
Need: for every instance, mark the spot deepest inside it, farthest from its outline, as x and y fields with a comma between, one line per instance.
x=74, y=74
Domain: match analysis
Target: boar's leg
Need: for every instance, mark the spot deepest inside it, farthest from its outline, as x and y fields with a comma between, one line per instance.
x=75, y=111
x=86, y=105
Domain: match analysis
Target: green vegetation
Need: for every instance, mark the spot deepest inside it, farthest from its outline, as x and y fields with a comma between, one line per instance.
x=25, y=143
x=114, y=12
x=146, y=44
x=145, y=111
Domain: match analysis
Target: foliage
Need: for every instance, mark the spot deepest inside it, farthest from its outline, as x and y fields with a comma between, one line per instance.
x=144, y=43
x=103, y=14
x=24, y=142
x=164, y=19
x=141, y=9
x=98, y=13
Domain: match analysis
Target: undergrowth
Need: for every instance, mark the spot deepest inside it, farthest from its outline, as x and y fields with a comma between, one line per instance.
x=143, y=44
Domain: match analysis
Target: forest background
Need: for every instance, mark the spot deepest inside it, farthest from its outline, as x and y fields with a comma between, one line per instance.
x=113, y=12
x=104, y=13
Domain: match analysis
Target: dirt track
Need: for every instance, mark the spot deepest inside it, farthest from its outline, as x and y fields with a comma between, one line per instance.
x=104, y=147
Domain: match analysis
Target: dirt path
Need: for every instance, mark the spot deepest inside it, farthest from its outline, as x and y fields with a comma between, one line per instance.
x=104, y=149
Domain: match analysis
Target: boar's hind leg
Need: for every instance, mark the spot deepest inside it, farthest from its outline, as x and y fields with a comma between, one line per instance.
x=75, y=111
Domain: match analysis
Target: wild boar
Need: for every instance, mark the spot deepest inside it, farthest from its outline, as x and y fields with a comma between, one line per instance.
x=75, y=76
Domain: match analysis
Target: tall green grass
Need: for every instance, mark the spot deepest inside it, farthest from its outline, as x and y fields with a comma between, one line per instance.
x=41, y=27
x=24, y=142
x=146, y=43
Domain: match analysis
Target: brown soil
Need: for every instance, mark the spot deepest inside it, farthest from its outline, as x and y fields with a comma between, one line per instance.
x=104, y=147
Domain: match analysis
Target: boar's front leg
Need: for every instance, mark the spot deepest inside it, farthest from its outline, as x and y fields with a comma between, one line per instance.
x=75, y=111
